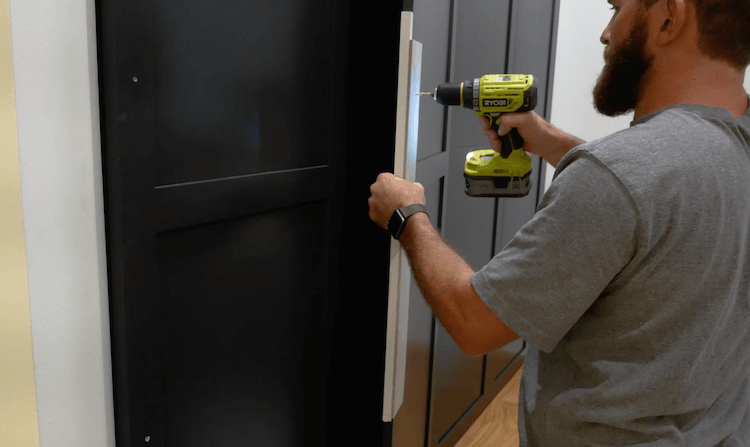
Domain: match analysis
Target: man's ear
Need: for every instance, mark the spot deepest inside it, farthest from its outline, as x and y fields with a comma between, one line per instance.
x=670, y=18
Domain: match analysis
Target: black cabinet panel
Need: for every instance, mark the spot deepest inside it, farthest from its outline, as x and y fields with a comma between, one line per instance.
x=431, y=24
x=498, y=361
x=433, y=193
x=243, y=313
x=241, y=87
x=457, y=384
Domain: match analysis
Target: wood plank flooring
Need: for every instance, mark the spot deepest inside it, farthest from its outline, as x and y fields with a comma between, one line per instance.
x=497, y=426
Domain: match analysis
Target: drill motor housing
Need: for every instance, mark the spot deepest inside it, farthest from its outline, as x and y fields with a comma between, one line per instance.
x=491, y=94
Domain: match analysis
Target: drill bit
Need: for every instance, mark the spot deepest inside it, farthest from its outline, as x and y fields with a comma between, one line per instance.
x=425, y=93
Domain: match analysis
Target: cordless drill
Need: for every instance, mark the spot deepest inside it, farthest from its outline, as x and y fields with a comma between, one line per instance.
x=487, y=173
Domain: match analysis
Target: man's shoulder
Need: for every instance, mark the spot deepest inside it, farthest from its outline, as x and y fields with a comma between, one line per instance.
x=673, y=141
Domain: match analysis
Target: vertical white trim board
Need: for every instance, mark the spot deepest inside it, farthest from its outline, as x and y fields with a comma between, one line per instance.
x=405, y=166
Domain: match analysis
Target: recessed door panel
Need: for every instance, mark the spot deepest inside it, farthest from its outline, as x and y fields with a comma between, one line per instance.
x=243, y=305
x=241, y=87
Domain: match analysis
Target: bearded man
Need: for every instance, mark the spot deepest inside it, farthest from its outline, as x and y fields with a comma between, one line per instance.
x=631, y=284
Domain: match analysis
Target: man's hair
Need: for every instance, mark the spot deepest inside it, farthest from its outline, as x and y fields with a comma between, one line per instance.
x=723, y=29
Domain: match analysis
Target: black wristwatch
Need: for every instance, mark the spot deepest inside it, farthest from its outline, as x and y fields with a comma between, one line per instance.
x=398, y=219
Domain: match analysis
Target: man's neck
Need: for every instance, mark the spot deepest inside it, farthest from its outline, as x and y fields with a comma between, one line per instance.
x=708, y=82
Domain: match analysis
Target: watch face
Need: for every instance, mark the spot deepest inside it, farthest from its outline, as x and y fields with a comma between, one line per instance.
x=395, y=224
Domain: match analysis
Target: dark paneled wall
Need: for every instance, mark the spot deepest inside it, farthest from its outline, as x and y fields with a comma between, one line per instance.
x=462, y=40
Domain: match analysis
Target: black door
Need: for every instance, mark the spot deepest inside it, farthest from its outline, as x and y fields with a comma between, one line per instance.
x=247, y=284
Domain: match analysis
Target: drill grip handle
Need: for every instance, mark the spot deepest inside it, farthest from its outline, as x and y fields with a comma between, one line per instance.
x=511, y=141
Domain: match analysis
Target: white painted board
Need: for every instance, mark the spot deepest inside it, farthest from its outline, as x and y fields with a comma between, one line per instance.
x=405, y=166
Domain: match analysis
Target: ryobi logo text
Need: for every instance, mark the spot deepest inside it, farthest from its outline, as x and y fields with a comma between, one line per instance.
x=495, y=102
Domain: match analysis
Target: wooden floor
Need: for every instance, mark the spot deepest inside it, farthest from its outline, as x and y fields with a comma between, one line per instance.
x=497, y=426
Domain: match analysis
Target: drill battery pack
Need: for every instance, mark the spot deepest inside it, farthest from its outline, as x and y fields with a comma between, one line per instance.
x=488, y=174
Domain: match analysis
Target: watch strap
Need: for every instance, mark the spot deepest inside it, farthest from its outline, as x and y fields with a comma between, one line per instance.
x=412, y=209
x=398, y=220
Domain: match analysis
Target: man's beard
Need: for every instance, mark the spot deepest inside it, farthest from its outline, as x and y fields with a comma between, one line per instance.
x=620, y=85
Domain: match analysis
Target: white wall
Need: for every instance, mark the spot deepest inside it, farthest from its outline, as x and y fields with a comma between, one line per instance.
x=579, y=60
x=54, y=59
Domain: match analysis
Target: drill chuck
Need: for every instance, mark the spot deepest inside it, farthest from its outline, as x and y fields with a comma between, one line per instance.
x=453, y=93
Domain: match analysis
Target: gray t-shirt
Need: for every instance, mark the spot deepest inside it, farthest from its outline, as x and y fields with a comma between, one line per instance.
x=631, y=285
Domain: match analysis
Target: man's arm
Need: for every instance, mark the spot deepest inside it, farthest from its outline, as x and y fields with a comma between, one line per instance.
x=445, y=281
x=442, y=275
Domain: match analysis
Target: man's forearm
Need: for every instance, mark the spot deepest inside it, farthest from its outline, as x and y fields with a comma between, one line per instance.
x=444, y=279
x=438, y=270
x=561, y=144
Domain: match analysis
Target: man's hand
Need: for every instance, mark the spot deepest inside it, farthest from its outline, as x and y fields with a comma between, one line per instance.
x=539, y=136
x=390, y=193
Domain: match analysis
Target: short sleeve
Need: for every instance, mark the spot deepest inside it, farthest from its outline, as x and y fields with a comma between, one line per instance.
x=583, y=234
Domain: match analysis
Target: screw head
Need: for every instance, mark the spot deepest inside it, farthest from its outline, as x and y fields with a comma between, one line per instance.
x=148, y=438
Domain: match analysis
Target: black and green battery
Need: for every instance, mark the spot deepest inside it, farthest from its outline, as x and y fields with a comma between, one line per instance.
x=488, y=173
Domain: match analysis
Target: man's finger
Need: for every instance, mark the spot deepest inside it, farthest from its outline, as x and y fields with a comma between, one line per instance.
x=485, y=122
x=517, y=119
x=504, y=129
